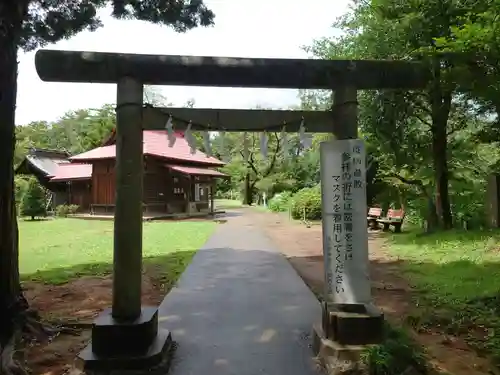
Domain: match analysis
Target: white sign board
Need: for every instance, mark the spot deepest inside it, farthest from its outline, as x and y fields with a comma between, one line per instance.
x=345, y=234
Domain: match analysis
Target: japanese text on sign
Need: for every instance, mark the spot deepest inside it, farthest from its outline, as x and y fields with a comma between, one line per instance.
x=342, y=239
x=344, y=221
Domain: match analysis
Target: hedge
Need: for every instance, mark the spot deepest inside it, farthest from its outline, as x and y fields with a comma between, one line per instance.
x=306, y=204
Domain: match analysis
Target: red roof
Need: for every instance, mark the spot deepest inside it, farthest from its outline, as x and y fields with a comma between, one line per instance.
x=155, y=144
x=72, y=171
x=196, y=171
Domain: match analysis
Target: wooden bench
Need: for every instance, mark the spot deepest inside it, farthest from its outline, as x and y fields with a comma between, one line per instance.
x=374, y=213
x=394, y=218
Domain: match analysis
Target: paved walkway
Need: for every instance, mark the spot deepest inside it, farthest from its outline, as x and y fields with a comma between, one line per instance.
x=240, y=308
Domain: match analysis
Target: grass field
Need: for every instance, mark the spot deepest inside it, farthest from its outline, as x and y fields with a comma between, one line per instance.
x=54, y=251
x=65, y=265
x=458, y=274
x=221, y=204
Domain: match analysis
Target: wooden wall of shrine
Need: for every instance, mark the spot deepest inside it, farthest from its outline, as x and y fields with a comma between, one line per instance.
x=103, y=182
x=79, y=193
x=164, y=190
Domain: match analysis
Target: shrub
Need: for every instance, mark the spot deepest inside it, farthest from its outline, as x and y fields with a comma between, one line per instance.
x=280, y=202
x=64, y=210
x=307, y=202
x=21, y=185
x=33, y=200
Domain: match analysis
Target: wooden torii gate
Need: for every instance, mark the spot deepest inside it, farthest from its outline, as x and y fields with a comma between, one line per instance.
x=127, y=335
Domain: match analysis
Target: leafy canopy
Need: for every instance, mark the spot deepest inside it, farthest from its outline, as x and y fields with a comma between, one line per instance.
x=48, y=21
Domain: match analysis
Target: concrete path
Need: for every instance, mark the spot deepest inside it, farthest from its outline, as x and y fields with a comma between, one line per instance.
x=240, y=309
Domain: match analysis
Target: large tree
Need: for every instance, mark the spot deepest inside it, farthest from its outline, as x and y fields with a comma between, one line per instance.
x=415, y=125
x=27, y=25
x=251, y=173
x=474, y=47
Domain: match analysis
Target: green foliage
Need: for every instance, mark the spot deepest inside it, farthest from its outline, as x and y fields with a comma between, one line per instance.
x=34, y=200
x=64, y=210
x=76, y=131
x=456, y=276
x=21, y=186
x=273, y=174
x=51, y=21
x=306, y=204
x=407, y=130
x=280, y=202
x=398, y=354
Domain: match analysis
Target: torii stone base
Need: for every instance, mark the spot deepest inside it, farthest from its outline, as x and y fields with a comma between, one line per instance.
x=129, y=345
x=344, y=334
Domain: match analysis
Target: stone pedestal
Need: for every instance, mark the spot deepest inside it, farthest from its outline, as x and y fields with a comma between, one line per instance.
x=353, y=324
x=335, y=358
x=344, y=334
x=126, y=345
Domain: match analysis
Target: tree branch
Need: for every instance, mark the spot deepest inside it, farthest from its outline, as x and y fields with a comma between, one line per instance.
x=251, y=164
x=423, y=121
x=417, y=103
x=249, y=161
x=273, y=159
x=414, y=182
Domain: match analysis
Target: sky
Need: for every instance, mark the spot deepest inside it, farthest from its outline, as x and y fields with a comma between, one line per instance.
x=243, y=28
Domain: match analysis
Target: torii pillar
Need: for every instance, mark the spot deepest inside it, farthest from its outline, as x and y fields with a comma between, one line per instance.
x=127, y=335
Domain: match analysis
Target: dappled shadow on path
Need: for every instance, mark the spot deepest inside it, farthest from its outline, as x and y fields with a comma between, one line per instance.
x=241, y=310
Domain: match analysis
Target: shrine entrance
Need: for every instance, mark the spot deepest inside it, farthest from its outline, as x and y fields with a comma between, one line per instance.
x=128, y=335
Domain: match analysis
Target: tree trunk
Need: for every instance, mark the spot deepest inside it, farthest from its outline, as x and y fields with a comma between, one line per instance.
x=253, y=192
x=248, y=191
x=439, y=148
x=432, y=215
x=440, y=106
x=12, y=302
x=246, y=187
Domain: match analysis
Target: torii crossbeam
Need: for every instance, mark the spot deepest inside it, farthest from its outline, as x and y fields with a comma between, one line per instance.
x=99, y=67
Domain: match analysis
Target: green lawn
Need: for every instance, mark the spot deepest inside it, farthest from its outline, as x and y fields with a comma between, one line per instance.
x=458, y=273
x=54, y=251
x=221, y=204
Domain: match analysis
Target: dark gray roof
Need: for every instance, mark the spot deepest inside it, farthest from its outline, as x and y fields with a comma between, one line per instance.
x=46, y=161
